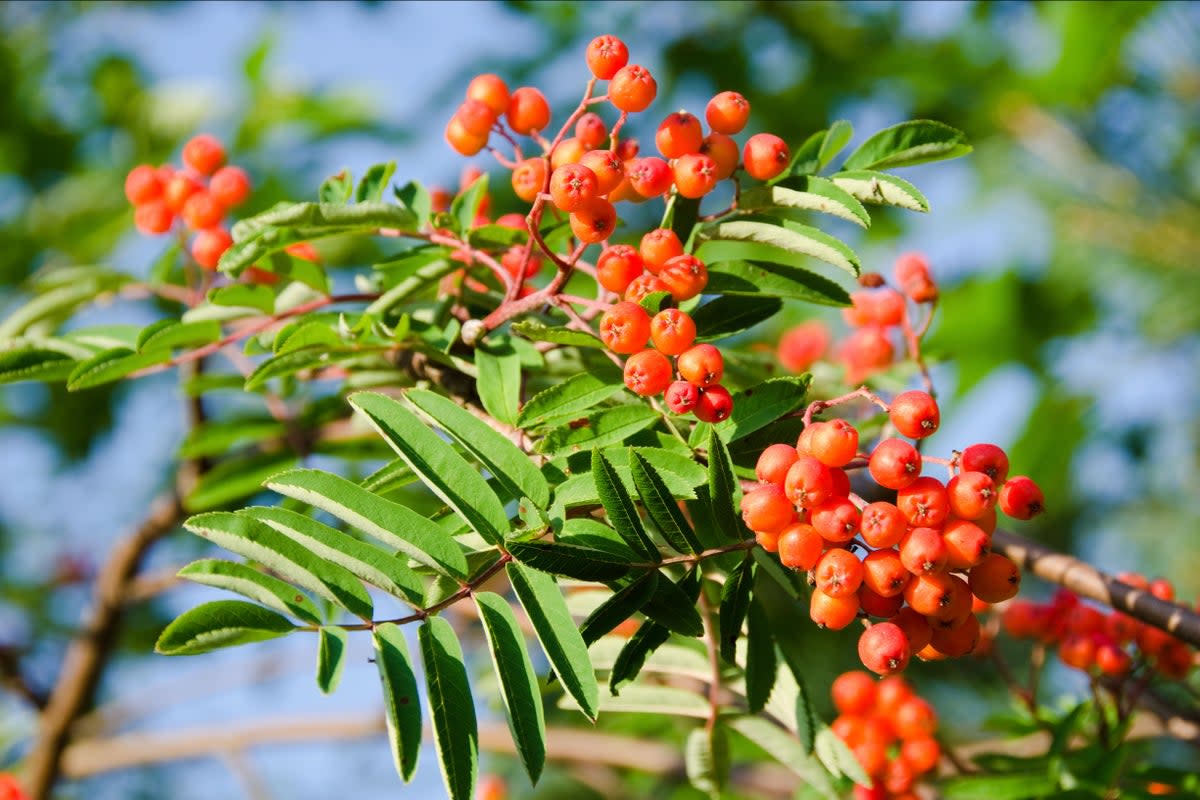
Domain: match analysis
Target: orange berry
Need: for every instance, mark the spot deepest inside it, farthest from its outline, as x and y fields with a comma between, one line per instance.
x=915, y=626
x=658, y=247
x=837, y=519
x=672, y=331
x=678, y=135
x=572, y=186
x=204, y=154
x=995, y=578
x=765, y=155
x=800, y=546
x=695, y=175
x=727, y=112
x=625, y=328
x=632, y=88
x=143, y=184
x=644, y=285
x=883, y=525
x=608, y=169
x=529, y=178
x=833, y=613
x=774, y=462
x=476, y=117
x=202, y=211
x=808, y=482
x=924, y=502
x=884, y=573
x=834, y=443
x=230, y=186
x=463, y=141
x=178, y=189
x=701, y=364
x=605, y=56
x=650, y=176
x=647, y=373
x=915, y=414
x=895, y=464
x=528, y=111
x=800, y=347
x=915, y=718
x=590, y=130
x=153, y=217
x=209, y=245
x=595, y=221
x=617, y=267
x=884, y=649
x=923, y=550
x=921, y=753
x=766, y=508
x=853, y=693
x=838, y=572
x=723, y=151
x=490, y=90
x=569, y=151
x=966, y=544
x=685, y=277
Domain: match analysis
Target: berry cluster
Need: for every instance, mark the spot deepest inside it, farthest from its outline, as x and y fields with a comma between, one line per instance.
x=201, y=193
x=928, y=555
x=890, y=730
x=876, y=314
x=1112, y=644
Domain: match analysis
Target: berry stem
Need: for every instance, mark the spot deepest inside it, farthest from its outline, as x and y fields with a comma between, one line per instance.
x=912, y=340
x=817, y=406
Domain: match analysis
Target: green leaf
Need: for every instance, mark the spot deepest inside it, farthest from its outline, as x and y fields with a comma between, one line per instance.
x=222, y=623
x=786, y=750
x=536, y=331
x=414, y=196
x=769, y=278
x=806, y=160
x=296, y=361
x=572, y=560
x=465, y=207
x=674, y=608
x=621, y=606
x=730, y=314
x=255, y=540
x=311, y=333
x=789, y=236
x=706, y=757
x=757, y=407
x=60, y=302
x=219, y=437
x=112, y=365
x=337, y=189
x=395, y=525
x=235, y=479
x=499, y=383
x=723, y=489
x=839, y=135
x=622, y=513
x=367, y=563
x=167, y=334
x=807, y=193
x=371, y=186
x=656, y=302
x=760, y=659
x=241, y=295
x=518, y=682
x=443, y=470
x=497, y=453
x=735, y=602
x=837, y=758
x=914, y=142
x=424, y=276
x=455, y=730
x=881, y=188
x=807, y=723
x=681, y=215
x=997, y=787
x=784, y=578
x=649, y=637
x=331, y=657
x=401, y=702
x=543, y=603
x=573, y=396
x=661, y=506
x=249, y=582
x=35, y=364
x=603, y=428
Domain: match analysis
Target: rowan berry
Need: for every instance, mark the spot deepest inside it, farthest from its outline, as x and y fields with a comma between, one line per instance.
x=204, y=154
x=883, y=525
x=956, y=606
x=774, y=462
x=650, y=176
x=625, y=328
x=837, y=519
x=520, y=262
x=209, y=245
x=800, y=347
x=591, y=131
x=873, y=758
x=833, y=613
x=685, y=277
x=695, y=175
x=834, y=443
x=894, y=464
x=178, y=189
x=727, y=112
x=853, y=693
x=723, y=151
x=1112, y=660
x=647, y=373
x=681, y=397
x=922, y=753
x=913, y=277
x=528, y=112
x=202, y=211
x=529, y=179
x=153, y=217
x=463, y=141
x=923, y=550
x=765, y=156
x=490, y=90
x=915, y=718
x=838, y=572
x=644, y=285
x=841, y=483
x=876, y=605
x=716, y=404
x=890, y=693
x=572, y=186
x=1021, y=498
x=767, y=540
x=924, y=502
x=658, y=247
x=632, y=88
x=800, y=546
x=898, y=777
x=928, y=592
x=1077, y=651
x=915, y=626
x=672, y=331
x=1162, y=588
x=884, y=649
x=607, y=168
x=915, y=414
x=866, y=351
x=766, y=508
x=885, y=574
x=605, y=56
x=617, y=267
x=627, y=149
x=594, y=222
x=1084, y=620
x=971, y=495
x=678, y=135
x=808, y=482
x=230, y=186
x=995, y=578
x=966, y=544
x=143, y=184
x=702, y=364
x=986, y=458
x=568, y=151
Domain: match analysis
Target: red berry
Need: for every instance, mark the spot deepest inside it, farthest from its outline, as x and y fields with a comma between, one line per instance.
x=895, y=464
x=765, y=155
x=644, y=285
x=590, y=130
x=605, y=56
x=230, y=186
x=727, y=113
x=695, y=175
x=1021, y=498
x=672, y=331
x=678, y=135
x=625, y=328
x=924, y=502
x=915, y=718
x=681, y=397
x=834, y=443
x=966, y=543
x=766, y=508
x=476, y=117
x=876, y=605
x=647, y=373
x=202, y=211
x=143, y=184
x=853, y=693
x=885, y=574
x=883, y=525
x=716, y=404
x=837, y=519
x=838, y=572
x=915, y=627
x=658, y=247
x=803, y=345
x=178, y=189
x=723, y=151
x=204, y=154
x=866, y=351
x=915, y=414
x=685, y=277
x=650, y=176
x=971, y=494
x=153, y=217
x=617, y=267
x=607, y=168
x=632, y=88
x=701, y=364
x=922, y=550
x=884, y=649
x=209, y=245
x=528, y=111
x=594, y=222
x=986, y=458
x=572, y=186
x=808, y=482
x=774, y=462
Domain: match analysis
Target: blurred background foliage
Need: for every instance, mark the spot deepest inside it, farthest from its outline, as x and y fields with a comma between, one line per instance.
x=1066, y=244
